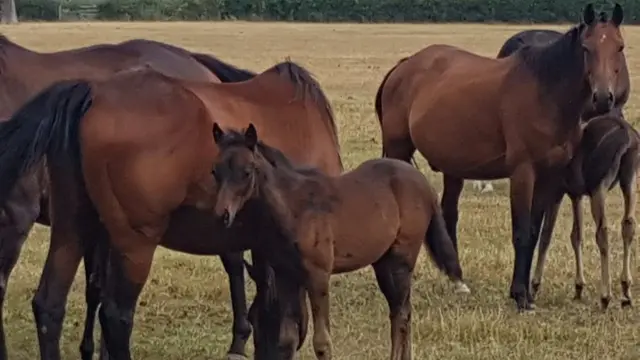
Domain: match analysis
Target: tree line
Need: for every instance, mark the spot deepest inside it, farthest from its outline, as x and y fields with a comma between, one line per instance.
x=512, y=11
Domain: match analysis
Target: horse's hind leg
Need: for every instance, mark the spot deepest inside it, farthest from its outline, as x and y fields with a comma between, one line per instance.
x=597, y=211
x=628, y=187
x=449, y=204
x=576, y=243
x=127, y=273
x=234, y=266
x=394, y=279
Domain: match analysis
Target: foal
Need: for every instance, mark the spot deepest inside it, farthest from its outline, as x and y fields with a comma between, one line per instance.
x=609, y=153
x=378, y=214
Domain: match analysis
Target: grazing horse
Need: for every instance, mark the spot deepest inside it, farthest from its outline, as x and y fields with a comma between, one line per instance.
x=518, y=118
x=622, y=82
x=23, y=73
x=129, y=160
x=609, y=153
x=397, y=213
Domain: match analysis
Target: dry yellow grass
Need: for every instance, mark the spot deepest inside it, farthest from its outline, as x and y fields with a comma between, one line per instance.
x=185, y=311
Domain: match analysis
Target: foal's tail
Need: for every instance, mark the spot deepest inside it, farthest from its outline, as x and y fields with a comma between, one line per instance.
x=441, y=248
x=378, y=105
x=46, y=125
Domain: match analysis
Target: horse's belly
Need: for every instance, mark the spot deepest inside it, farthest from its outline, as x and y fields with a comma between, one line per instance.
x=197, y=232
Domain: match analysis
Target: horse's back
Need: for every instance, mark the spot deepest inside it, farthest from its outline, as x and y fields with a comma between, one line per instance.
x=528, y=37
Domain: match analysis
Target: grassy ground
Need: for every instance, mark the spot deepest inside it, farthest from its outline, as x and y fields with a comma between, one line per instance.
x=185, y=313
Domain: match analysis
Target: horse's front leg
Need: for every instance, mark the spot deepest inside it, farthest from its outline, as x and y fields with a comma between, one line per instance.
x=521, y=194
x=546, y=234
x=234, y=266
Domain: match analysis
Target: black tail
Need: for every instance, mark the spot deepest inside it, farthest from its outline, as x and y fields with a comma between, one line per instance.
x=227, y=73
x=378, y=101
x=378, y=105
x=46, y=125
x=602, y=157
x=441, y=248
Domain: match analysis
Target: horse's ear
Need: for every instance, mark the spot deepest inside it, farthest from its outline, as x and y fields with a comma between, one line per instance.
x=618, y=15
x=251, y=136
x=217, y=133
x=589, y=14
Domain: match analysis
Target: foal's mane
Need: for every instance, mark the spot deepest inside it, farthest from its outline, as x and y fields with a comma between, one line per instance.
x=306, y=84
x=550, y=62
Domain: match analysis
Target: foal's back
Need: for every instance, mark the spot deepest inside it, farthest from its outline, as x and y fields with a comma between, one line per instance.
x=381, y=202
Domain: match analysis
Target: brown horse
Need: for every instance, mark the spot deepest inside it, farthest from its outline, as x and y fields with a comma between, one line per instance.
x=23, y=73
x=136, y=170
x=518, y=118
x=397, y=213
x=609, y=153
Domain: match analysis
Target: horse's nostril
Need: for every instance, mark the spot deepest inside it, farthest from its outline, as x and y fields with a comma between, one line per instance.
x=225, y=218
x=610, y=97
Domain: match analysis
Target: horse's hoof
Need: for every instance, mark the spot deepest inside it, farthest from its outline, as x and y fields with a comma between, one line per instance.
x=462, y=288
x=626, y=303
x=535, y=287
x=236, y=357
x=527, y=309
x=604, y=302
x=578, y=292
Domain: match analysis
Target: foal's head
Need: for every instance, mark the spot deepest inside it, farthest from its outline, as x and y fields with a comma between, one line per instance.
x=236, y=173
x=603, y=46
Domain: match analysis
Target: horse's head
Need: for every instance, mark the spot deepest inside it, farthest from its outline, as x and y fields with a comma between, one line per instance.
x=236, y=172
x=602, y=45
x=278, y=313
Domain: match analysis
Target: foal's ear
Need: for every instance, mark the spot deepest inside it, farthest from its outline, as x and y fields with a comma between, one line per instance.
x=217, y=133
x=618, y=15
x=589, y=14
x=251, y=136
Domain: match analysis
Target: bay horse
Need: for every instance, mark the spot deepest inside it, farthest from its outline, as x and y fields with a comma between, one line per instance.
x=518, y=118
x=24, y=72
x=609, y=154
x=622, y=83
x=129, y=167
x=397, y=213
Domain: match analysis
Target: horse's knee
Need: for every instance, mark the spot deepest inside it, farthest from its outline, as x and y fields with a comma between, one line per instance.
x=628, y=228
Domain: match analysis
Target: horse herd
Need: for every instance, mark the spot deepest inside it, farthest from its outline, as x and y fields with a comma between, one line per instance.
x=121, y=148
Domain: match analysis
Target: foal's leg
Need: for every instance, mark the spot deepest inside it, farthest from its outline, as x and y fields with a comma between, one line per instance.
x=449, y=204
x=234, y=266
x=576, y=243
x=628, y=187
x=394, y=279
x=549, y=222
x=597, y=211
x=318, y=291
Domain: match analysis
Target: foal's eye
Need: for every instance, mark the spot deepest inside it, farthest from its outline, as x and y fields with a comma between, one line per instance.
x=246, y=173
x=621, y=48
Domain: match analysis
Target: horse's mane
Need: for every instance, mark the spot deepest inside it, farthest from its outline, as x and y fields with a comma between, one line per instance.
x=308, y=86
x=550, y=62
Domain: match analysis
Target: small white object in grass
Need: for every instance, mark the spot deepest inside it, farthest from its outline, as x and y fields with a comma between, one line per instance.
x=483, y=186
x=462, y=288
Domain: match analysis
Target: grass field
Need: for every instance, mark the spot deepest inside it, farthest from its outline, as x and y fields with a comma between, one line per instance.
x=185, y=312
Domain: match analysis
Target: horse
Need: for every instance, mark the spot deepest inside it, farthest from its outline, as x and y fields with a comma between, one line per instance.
x=545, y=36
x=518, y=118
x=609, y=154
x=397, y=213
x=24, y=72
x=130, y=170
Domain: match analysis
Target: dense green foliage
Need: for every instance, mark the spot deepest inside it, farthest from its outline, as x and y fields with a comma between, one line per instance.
x=331, y=10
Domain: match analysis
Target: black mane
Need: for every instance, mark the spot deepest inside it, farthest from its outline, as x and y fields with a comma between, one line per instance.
x=556, y=60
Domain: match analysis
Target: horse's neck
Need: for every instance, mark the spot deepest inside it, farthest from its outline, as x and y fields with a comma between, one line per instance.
x=276, y=190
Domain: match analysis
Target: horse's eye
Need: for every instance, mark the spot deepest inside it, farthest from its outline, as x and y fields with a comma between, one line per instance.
x=621, y=48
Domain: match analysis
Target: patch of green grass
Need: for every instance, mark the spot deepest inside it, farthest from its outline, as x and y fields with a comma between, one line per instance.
x=185, y=312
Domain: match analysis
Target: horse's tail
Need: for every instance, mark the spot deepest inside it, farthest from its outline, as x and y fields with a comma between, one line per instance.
x=378, y=104
x=604, y=158
x=441, y=248
x=48, y=125
x=227, y=73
